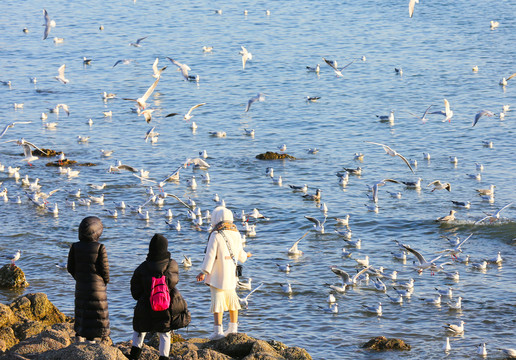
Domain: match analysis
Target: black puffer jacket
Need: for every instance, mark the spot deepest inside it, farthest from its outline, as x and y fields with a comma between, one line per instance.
x=158, y=263
x=88, y=264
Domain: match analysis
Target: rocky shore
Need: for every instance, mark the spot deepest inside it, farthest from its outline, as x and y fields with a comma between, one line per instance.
x=31, y=327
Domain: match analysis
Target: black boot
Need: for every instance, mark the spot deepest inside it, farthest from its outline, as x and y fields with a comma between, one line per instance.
x=163, y=358
x=135, y=353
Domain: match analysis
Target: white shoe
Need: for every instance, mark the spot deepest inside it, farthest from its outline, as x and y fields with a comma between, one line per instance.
x=232, y=329
x=217, y=333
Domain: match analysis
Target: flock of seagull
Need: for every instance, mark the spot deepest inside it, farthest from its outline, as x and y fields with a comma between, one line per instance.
x=368, y=275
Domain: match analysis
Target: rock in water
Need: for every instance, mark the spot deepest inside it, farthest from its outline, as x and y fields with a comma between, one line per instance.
x=381, y=343
x=12, y=277
x=269, y=155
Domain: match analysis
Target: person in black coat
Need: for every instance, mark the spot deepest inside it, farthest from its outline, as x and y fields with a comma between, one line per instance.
x=145, y=319
x=88, y=264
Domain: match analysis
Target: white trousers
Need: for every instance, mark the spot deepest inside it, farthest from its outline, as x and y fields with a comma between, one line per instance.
x=164, y=342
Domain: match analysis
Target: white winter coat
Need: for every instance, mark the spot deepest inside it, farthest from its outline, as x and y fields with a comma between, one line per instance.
x=218, y=265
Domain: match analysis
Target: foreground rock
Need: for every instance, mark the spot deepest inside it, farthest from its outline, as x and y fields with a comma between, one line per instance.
x=26, y=317
x=12, y=277
x=234, y=346
x=31, y=327
x=381, y=343
x=269, y=155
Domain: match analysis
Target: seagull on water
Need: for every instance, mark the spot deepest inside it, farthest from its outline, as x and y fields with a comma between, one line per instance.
x=457, y=329
x=438, y=185
x=294, y=251
x=447, y=218
x=377, y=309
x=389, y=118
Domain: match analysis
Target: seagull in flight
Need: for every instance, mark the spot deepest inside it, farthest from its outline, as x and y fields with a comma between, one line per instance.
x=123, y=62
x=246, y=55
x=346, y=279
x=422, y=118
x=61, y=74
x=317, y=224
x=188, y=115
x=49, y=24
x=480, y=114
x=141, y=101
x=137, y=43
x=244, y=301
x=448, y=114
x=423, y=264
x=259, y=97
x=333, y=65
x=8, y=126
x=181, y=67
x=494, y=216
x=411, y=5
x=393, y=152
x=157, y=72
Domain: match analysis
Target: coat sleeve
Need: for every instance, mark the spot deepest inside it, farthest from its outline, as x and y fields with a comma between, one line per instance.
x=242, y=255
x=136, y=284
x=211, y=254
x=172, y=274
x=102, y=264
x=71, y=261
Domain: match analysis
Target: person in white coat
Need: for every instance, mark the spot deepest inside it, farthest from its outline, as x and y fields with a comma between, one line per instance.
x=223, y=252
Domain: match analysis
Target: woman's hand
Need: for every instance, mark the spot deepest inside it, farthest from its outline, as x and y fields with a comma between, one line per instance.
x=249, y=254
x=200, y=277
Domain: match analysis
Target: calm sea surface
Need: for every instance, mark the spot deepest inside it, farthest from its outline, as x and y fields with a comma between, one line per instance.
x=436, y=49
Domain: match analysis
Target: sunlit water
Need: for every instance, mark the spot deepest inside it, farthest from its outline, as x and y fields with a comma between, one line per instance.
x=437, y=49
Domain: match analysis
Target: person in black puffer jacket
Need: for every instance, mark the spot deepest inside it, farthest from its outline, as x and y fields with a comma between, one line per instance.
x=88, y=264
x=145, y=319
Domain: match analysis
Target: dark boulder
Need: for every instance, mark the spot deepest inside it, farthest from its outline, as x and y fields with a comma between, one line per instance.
x=269, y=155
x=381, y=343
x=12, y=277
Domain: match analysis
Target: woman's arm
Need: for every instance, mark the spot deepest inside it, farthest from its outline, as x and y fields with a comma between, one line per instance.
x=71, y=262
x=103, y=264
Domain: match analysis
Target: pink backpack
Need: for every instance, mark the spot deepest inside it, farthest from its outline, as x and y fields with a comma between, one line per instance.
x=160, y=295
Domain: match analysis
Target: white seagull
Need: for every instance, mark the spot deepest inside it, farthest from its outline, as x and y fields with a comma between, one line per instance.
x=392, y=152
x=181, y=67
x=61, y=75
x=246, y=55
x=141, y=101
x=188, y=115
x=259, y=97
x=333, y=65
x=448, y=114
x=49, y=24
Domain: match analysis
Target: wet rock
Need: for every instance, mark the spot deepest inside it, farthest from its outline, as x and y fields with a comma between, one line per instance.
x=46, y=152
x=12, y=277
x=381, y=343
x=57, y=337
x=269, y=155
x=37, y=307
x=84, y=351
x=65, y=162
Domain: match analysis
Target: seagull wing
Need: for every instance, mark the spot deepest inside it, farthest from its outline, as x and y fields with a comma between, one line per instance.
x=155, y=66
x=5, y=129
x=181, y=201
x=426, y=111
x=330, y=64
x=344, y=275
x=406, y=162
x=47, y=24
x=419, y=257
x=484, y=218
x=140, y=39
x=411, y=5
x=35, y=147
x=256, y=288
x=480, y=114
x=64, y=107
x=150, y=90
x=510, y=77
x=26, y=150
x=127, y=167
x=195, y=107
x=250, y=102
x=446, y=107
x=172, y=114
x=314, y=220
x=345, y=66
x=118, y=62
x=61, y=71
x=355, y=277
x=499, y=211
x=463, y=241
